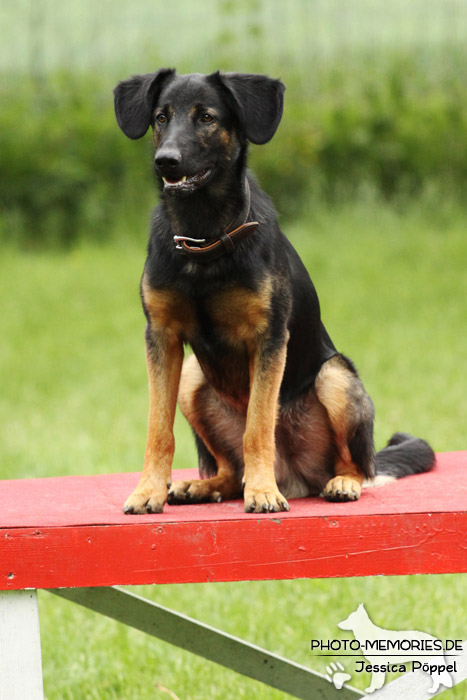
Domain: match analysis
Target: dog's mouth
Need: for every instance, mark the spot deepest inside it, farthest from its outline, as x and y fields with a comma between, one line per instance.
x=186, y=183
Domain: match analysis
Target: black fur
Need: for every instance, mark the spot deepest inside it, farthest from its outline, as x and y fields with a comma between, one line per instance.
x=404, y=455
x=134, y=100
x=256, y=102
x=202, y=126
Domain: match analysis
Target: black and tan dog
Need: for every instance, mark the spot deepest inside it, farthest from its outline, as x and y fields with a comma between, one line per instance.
x=276, y=411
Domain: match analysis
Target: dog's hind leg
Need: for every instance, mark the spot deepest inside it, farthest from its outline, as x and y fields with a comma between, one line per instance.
x=350, y=411
x=218, y=430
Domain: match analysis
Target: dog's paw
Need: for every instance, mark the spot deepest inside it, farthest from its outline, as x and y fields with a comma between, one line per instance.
x=144, y=500
x=197, y=491
x=268, y=501
x=342, y=488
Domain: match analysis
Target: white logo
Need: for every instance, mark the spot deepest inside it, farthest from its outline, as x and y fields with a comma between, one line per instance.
x=336, y=674
x=390, y=650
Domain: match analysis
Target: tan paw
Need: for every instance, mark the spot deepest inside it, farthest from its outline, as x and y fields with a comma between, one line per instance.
x=267, y=501
x=144, y=500
x=196, y=491
x=342, y=488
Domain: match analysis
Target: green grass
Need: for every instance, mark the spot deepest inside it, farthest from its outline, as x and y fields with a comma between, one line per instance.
x=74, y=400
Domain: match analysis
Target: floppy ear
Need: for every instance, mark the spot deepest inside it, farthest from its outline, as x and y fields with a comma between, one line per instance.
x=258, y=102
x=134, y=100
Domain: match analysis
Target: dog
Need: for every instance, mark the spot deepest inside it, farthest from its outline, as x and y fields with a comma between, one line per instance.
x=276, y=411
x=367, y=633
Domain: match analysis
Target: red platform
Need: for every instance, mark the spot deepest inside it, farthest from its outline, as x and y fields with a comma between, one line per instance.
x=70, y=531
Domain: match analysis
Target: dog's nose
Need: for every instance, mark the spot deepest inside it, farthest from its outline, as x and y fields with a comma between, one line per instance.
x=168, y=158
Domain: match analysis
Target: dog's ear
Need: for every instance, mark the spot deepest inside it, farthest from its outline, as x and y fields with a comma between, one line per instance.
x=258, y=102
x=134, y=101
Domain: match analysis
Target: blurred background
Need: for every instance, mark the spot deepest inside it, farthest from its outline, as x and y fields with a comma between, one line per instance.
x=368, y=171
x=376, y=101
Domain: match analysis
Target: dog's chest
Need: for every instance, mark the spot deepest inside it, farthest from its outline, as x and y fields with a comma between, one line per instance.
x=233, y=316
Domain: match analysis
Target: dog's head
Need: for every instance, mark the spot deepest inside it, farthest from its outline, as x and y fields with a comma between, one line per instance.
x=200, y=122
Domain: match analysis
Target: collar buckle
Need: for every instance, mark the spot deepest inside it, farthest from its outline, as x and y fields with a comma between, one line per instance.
x=178, y=239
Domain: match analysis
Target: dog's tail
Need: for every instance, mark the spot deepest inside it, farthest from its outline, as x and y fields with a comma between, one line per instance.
x=402, y=456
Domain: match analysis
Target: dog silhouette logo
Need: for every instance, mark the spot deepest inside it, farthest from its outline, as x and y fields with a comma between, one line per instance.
x=385, y=648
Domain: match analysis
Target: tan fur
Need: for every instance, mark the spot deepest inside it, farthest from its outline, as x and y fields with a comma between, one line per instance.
x=169, y=314
x=225, y=138
x=164, y=376
x=230, y=143
x=261, y=492
x=215, y=489
x=191, y=380
x=333, y=385
x=169, y=309
x=241, y=314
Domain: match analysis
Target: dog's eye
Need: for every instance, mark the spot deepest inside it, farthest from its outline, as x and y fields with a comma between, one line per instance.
x=161, y=118
x=206, y=118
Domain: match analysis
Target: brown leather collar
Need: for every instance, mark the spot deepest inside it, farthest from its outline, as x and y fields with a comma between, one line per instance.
x=226, y=243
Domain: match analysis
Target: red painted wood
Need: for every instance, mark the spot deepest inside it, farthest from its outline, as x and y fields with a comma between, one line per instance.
x=70, y=531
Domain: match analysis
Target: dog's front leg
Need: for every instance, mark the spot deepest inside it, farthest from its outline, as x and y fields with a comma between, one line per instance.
x=164, y=354
x=266, y=371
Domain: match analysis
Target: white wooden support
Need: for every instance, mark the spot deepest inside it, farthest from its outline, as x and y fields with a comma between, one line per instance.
x=20, y=646
x=208, y=642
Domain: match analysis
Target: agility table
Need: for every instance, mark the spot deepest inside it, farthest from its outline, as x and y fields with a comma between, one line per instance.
x=69, y=535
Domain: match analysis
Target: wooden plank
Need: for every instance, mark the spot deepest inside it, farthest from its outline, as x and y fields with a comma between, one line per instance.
x=206, y=641
x=219, y=542
x=233, y=551
x=20, y=647
x=98, y=500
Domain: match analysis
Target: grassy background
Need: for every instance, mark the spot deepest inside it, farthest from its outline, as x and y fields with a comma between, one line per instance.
x=375, y=102
x=74, y=400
